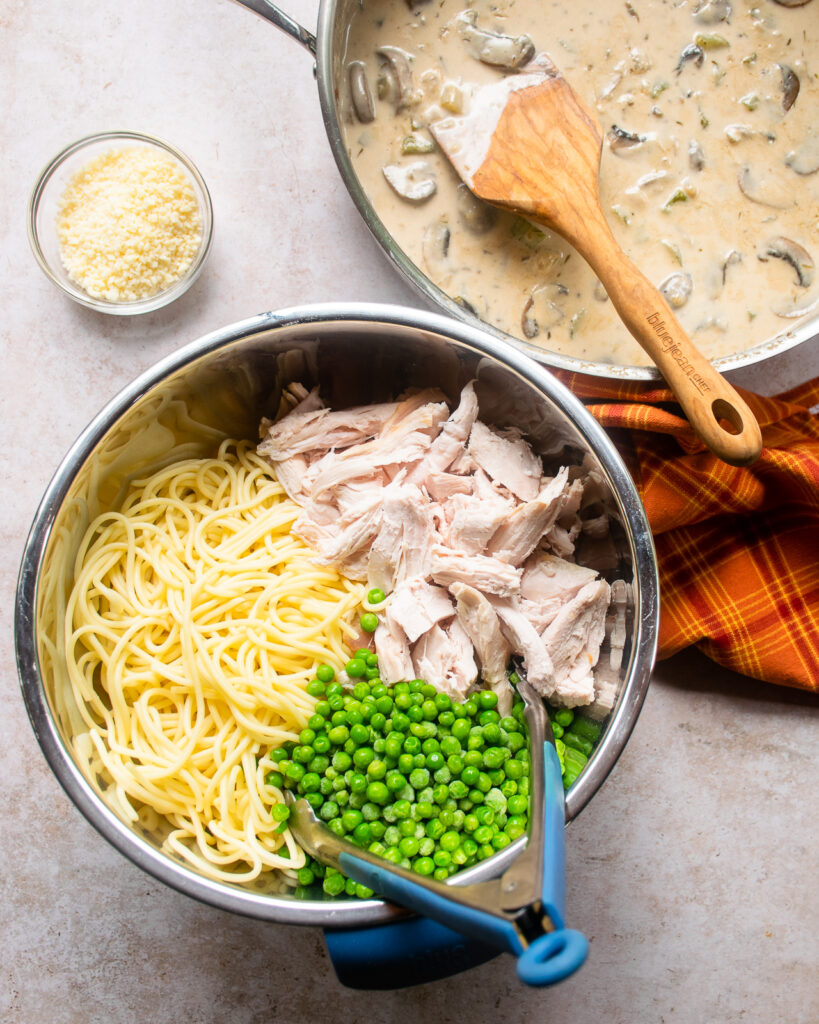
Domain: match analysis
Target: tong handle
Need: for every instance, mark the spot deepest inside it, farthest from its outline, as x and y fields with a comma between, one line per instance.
x=422, y=897
x=554, y=956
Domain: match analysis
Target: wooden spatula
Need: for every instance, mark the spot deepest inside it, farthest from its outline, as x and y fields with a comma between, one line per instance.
x=529, y=144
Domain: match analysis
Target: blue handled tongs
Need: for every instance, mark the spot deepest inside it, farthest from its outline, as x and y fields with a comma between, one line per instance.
x=522, y=911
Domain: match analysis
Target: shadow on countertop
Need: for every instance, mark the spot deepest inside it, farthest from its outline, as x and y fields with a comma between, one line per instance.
x=692, y=671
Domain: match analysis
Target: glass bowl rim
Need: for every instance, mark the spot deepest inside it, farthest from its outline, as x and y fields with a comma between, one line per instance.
x=135, y=306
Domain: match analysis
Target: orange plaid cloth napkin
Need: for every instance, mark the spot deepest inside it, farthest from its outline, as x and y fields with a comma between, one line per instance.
x=738, y=549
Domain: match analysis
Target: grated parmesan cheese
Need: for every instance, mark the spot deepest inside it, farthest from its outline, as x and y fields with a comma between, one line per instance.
x=128, y=224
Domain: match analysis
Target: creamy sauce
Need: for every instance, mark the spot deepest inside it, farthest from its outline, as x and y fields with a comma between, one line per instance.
x=707, y=179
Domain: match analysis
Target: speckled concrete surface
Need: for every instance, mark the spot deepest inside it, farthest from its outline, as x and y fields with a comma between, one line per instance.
x=694, y=869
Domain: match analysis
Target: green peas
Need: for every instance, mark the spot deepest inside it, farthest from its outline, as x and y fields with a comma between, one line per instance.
x=376, y=770
x=402, y=809
x=517, y=805
x=351, y=820
x=460, y=728
x=491, y=734
x=494, y=757
x=359, y=734
x=488, y=717
x=488, y=699
x=378, y=793
x=383, y=703
x=378, y=721
x=357, y=782
x=423, y=866
x=455, y=764
x=295, y=772
x=469, y=775
x=315, y=688
x=429, y=710
x=450, y=745
x=412, y=745
x=275, y=779
x=369, y=622
x=355, y=668
x=362, y=757
x=325, y=673
x=393, y=745
x=376, y=596
x=450, y=841
x=564, y=717
x=305, y=876
x=395, y=781
x=458, y=789
x=310, y=782
x=280, y=812
x=419, y=778
x=408, y=846
x=484, y=814
x=406, y=763
x=514, y=769
x=333, y=884
x=322, y=744
x=434, y=828
x=516, y=742
x=483, y=834
x=329, y=810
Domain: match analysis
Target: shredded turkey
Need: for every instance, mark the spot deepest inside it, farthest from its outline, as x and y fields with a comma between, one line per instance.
x=460, y=525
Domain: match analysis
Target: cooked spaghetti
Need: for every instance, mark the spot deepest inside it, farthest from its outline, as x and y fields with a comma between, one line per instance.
x=195, y=623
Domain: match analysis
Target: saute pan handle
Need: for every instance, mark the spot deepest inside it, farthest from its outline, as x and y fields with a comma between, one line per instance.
x=283, y=21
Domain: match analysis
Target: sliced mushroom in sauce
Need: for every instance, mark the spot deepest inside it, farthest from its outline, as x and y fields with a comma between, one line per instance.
x=398, y=76
x=790, y=86
x=619, y=139
x=435, y=245
x=696, y=156
x=676, y=289
x=414, y=182
x=781, y=248
x=711, y=12
x=765, y=190
x=475, y=215
x=542, y=311
x=494, y=48
x=360, y=93
x=805, y=160
x=691, y=54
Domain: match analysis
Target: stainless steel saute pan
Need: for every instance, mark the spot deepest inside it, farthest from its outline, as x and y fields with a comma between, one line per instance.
x=327, y=47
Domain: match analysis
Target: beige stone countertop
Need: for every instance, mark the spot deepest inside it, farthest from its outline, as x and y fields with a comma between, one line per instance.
x=694, y=869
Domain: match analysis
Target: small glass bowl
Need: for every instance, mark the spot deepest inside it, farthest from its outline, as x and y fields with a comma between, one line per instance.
x=44, y=205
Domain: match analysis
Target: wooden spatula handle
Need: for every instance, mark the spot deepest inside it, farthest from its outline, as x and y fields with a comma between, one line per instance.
x=717, y=413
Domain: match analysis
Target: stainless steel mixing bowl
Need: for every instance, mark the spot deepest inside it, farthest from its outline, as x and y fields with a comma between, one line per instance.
x=328, y=46
x=220, y=386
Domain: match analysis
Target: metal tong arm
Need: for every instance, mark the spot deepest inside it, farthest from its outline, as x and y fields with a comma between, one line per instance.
x=470, y=909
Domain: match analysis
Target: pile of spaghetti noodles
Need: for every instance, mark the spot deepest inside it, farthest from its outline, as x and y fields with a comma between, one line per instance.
x=194, y=625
